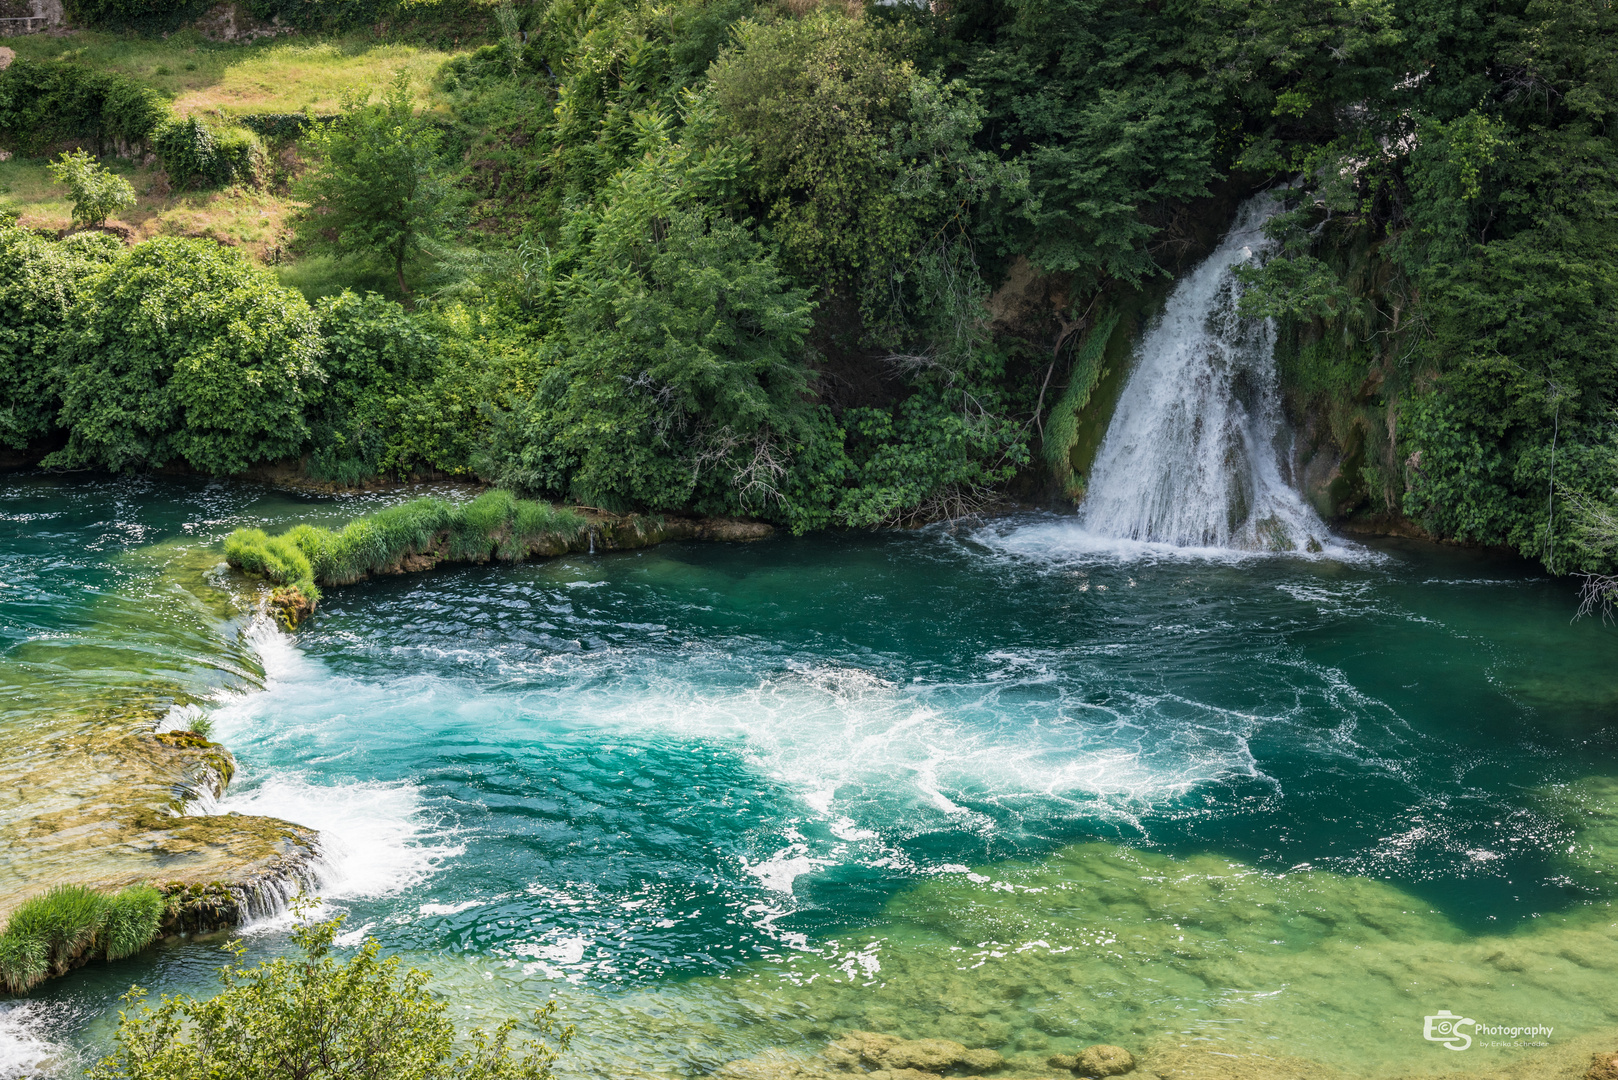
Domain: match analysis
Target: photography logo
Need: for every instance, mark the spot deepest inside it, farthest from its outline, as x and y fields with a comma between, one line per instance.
x=1457, y=1032
x=1446, y=1028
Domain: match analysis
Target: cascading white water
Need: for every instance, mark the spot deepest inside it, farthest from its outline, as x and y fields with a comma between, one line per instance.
x=1193, y=455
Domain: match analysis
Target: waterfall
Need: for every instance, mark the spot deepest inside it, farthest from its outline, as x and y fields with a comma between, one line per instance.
x=1193, y=455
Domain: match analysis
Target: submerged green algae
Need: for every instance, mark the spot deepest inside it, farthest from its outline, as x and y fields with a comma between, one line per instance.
x=1202, y=965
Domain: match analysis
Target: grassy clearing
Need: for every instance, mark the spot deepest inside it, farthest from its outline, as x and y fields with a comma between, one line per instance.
x=236, y=217
x=495, y=525
x=47, y=934
x=274, y=75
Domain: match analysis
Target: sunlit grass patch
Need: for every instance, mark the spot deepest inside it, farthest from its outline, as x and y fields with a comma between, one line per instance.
x=242, y=217
x=494, y=525
x=275, y=75
x=49, y=932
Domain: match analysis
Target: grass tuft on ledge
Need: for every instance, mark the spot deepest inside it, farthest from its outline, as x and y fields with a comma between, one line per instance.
x=50, y=933
x=495, y=525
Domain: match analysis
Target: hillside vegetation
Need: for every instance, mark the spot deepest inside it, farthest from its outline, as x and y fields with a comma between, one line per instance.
x=740, y=257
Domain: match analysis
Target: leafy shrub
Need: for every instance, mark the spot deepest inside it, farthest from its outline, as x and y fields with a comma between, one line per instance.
x=43, y=103
x=678, y=376
x=315, y=1016
x=150, y=16
x=819, y=99
x=40, y=283
x=281, y=126
x=183, y=350
x=376, y=358
x=96, y=191
x=196, y=154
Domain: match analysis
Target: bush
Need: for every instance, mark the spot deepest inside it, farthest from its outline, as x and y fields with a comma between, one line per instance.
x=678, y=375
x=195, y=154
x=50, y=932
x=185, y=351
x=376, y=355
x=95, y=191
x=320, y=1018
x=44, y=103
x=40, y=283
x=149, y=16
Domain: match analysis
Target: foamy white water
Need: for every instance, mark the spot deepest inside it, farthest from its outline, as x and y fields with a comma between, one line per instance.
x=375, y=839
x=26, y=1052
x=1193, y=455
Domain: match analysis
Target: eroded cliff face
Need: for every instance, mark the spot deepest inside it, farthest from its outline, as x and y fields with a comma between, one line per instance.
x=1345, y=382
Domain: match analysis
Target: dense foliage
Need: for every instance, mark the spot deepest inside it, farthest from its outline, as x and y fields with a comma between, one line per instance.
x=317, y=1017
x=1481, y=183
x=40, y=284
x=742, y=256
x=43, y=104
x=182, y=351
x=374, y=188
x=196, y=153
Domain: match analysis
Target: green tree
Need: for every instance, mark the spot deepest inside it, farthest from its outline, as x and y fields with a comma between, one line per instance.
x=676, y=353
x=315, y=1017
x=97, y=192
x=184, y=350
x=375, y=185
x=41, y=281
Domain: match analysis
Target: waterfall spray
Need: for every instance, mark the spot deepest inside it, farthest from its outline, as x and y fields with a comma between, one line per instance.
x=1193, y=454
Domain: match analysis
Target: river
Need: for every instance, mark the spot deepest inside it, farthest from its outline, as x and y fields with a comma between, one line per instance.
x=1014, y=784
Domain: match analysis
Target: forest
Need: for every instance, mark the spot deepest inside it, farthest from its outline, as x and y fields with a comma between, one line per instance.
x=757, y=258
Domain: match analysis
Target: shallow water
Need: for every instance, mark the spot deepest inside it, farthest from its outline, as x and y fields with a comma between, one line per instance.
x=1014, y=786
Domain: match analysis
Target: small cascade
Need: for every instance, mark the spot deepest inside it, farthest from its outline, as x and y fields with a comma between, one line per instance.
x=1193, y=455
x=271, y=895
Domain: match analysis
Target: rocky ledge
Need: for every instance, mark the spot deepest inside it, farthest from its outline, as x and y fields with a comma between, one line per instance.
x=100, y=802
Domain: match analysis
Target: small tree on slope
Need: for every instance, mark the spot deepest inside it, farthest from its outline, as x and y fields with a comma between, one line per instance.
x=96, y=191
x=375, y=186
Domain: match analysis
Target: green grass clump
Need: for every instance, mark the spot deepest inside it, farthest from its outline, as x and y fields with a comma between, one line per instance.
x=495, y=525
x=1062, y=430
x=132, y=920
x=51, y=931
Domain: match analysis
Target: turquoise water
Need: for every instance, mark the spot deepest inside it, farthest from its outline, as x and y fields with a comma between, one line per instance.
x=1009, y=785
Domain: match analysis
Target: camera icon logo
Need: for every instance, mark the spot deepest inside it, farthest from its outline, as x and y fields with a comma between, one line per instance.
x=1445, y=1028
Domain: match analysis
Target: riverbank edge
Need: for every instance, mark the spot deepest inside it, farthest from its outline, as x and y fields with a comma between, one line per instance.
x=282, y=857
x=590, y=530
x=266, y=862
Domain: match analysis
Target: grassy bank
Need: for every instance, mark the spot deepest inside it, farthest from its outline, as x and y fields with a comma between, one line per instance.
x=279, y=75
x=52, y=932
x=413, y=535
